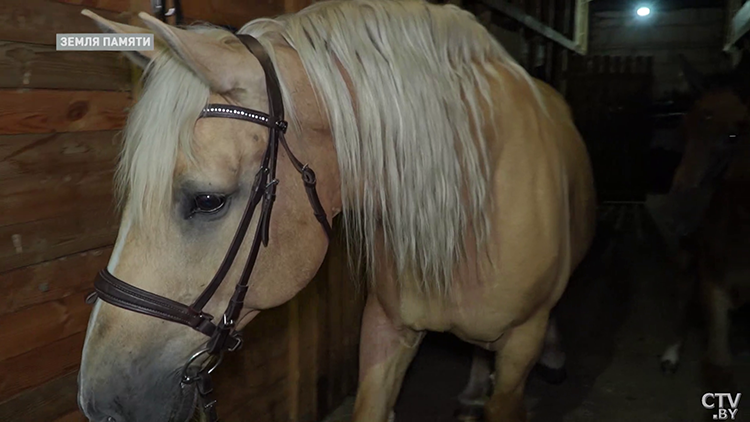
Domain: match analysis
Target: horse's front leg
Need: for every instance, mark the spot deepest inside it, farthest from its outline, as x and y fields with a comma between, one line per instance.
x=686, y=290
x=385, y=354
x=513, y=362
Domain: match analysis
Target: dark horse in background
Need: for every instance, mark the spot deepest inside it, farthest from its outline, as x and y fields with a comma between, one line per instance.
x=716, y=157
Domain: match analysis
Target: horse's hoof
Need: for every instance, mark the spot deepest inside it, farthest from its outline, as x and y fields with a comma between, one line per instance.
x=670, y=359
x=669, y=367
x=467, y=413
x=554, y=376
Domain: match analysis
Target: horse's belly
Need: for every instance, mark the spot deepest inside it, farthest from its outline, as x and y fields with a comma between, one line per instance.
x=478, y=314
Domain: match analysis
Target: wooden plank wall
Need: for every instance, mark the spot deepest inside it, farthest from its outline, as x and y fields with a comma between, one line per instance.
x=60, y=117
x=60, y=113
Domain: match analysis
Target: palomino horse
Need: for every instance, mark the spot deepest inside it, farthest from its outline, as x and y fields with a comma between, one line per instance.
x=717, y=157
x=462, y=183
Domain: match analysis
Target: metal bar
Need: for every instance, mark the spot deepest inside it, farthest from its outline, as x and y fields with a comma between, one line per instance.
x=581, y=32
x=533, y=24
x=739, y=26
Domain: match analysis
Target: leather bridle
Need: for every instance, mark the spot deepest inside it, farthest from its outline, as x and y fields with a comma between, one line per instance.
x=223, y=335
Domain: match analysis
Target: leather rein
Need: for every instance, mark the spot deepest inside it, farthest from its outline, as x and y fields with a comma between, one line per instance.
x=223, y=335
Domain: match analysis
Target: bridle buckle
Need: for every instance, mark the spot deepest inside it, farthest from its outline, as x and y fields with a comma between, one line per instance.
x=238, y=344
x=282, y=125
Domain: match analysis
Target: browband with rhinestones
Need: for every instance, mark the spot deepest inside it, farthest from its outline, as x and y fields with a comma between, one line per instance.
x=234, y=112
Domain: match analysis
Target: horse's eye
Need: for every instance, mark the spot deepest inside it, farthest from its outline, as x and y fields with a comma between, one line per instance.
x=208, y=203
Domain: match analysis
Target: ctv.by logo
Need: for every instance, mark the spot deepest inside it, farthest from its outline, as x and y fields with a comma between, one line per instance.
x=717, y=401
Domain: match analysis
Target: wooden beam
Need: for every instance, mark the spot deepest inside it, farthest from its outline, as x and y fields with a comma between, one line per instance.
x=74, y=416
x=53, y=401
x=40, y=365
x=294, y=369
x=73, y=171
x=40, y=325
x=40, y=241
x=231, y=12
x=45, y=111
x=581, y=32
x=292, y=6
x=739, y=26
x=25, y=65
x=50, y=155
x=219, y=12
x=111, y=5
x=50, y=281
x=37, y=21
x=32, y=199
x=533, y=24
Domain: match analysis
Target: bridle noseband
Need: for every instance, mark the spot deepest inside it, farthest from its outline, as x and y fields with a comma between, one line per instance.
x=223, y=335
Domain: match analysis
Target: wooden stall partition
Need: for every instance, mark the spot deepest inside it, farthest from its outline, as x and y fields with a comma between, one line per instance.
x=299, y=361
x=60, y=113
x=610, y=98
x=60, y=117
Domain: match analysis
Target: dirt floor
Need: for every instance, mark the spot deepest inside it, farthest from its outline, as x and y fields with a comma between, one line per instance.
x=616, y=317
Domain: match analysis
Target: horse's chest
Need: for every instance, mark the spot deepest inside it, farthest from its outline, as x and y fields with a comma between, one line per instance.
x=424, y=314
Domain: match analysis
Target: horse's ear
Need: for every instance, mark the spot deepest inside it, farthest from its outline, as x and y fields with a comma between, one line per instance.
x=140, y=58
x=224, y=64
x=694, y=78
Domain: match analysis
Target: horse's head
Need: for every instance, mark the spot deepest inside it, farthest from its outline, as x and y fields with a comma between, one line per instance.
x=187, y=179
x=715, y=126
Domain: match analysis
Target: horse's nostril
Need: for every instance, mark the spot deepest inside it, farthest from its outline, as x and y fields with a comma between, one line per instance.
x=111, y=419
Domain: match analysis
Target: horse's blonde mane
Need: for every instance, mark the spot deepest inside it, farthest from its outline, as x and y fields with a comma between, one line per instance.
x=410, y=144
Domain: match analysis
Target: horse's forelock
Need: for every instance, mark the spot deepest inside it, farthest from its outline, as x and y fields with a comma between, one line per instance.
x=159, y=128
